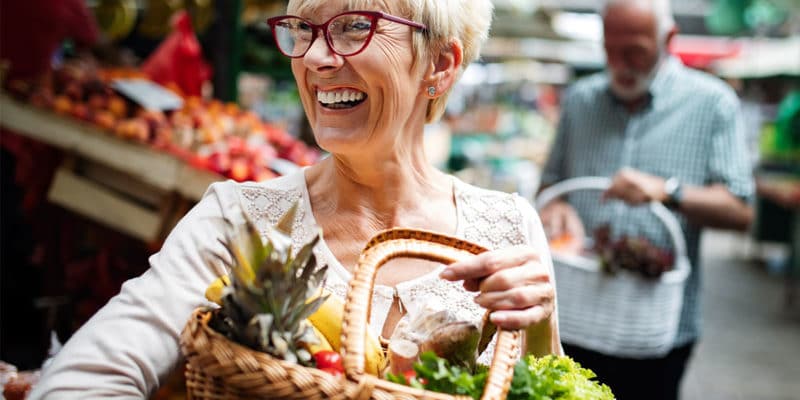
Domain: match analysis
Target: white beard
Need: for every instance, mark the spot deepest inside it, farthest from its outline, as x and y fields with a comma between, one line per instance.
x=642, y=82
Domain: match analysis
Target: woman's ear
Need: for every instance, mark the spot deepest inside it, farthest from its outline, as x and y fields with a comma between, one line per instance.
x=443, y=69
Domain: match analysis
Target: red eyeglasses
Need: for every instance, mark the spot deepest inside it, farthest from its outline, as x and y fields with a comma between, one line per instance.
x=346, y=34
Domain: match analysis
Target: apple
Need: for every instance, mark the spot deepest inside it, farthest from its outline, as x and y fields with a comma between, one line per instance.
x=240, y=169
x=62, y=105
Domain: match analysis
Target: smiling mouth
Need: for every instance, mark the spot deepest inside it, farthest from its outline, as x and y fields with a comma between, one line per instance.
x=340, y=99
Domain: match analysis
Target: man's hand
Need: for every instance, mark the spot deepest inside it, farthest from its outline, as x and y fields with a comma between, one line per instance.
x=635, y=187
x=563, y=227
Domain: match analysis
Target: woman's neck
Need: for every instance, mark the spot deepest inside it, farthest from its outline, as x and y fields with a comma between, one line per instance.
x=384, y=190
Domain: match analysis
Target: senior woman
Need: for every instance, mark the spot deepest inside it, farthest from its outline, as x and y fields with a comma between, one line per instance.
x=370, y=75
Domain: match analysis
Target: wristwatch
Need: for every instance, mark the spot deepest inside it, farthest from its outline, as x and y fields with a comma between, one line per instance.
x=674, y=191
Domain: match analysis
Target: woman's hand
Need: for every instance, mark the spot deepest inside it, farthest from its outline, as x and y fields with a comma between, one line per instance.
x=513, y=284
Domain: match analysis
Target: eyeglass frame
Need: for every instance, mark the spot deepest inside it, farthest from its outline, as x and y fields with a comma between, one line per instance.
x=376, y=15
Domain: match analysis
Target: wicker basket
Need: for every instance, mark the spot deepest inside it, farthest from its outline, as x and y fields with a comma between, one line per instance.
x=219, y=369
x=623, y=314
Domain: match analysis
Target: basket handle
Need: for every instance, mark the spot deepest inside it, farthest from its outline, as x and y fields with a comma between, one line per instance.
x=603, y=183
x=396, y=243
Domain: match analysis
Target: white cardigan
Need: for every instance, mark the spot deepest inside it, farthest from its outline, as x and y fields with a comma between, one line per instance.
x=128, y=348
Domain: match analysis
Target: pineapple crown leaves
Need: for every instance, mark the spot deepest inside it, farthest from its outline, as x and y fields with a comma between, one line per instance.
x=272, y=291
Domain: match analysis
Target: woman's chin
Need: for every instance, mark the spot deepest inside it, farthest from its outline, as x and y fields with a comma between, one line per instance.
x=338, y=143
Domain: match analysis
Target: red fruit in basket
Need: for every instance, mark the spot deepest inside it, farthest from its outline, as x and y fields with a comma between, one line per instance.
x=329, y=359
x=411, y=375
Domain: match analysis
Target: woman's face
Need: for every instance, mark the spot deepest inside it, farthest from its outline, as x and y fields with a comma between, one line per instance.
x=365, y=100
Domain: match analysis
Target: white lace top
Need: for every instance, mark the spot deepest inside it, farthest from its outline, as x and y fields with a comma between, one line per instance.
x=131, y=344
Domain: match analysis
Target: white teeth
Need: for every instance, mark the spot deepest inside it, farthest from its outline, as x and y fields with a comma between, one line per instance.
x=339, y=96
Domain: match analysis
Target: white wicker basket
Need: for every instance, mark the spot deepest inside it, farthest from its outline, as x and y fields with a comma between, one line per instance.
x=624, y=314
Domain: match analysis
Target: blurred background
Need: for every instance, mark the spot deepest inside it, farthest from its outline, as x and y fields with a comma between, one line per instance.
x=99, y=162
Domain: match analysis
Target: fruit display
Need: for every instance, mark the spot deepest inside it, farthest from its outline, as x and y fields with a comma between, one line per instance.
x=635, y=254
x=208, y=134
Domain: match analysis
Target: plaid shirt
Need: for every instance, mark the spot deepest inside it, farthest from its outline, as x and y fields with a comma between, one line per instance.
x=690, y=129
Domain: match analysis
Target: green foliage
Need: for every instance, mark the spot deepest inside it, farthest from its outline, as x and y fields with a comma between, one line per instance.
x=442, y=377
x=555, y=377
x=545, y=378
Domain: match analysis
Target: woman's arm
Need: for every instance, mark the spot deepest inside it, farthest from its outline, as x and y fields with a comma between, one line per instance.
x=131, y=344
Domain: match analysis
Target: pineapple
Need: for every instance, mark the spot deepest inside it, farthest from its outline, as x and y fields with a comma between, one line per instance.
x=272, y=293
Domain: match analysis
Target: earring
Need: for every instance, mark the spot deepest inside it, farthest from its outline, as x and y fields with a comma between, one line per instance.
x=431, y=91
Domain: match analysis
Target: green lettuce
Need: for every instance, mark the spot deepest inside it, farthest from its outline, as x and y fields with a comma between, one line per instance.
x=545, y=378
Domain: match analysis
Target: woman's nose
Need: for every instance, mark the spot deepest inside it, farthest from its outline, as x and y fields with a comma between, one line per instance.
x=320, y=56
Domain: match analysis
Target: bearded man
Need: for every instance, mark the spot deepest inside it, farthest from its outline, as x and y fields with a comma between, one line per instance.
x=664, y=133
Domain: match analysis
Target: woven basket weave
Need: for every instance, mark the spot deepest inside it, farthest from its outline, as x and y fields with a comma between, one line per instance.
x=218, y=369
x=623, y=314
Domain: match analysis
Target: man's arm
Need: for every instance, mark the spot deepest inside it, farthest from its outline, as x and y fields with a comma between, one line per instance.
x=715, y=207
x=709, y=206
x=721, y=203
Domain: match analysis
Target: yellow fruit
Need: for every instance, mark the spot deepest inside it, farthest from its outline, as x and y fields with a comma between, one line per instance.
x=214, y=291
x=322, y=345
x=328, y=321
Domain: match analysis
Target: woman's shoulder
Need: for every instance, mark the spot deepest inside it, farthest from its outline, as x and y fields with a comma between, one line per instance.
x=492, y=217
x=263, y=202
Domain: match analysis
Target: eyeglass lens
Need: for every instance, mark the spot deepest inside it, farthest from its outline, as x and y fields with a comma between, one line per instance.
x=348, y=33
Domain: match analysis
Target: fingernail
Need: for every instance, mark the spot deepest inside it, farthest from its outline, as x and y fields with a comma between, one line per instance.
x=447, y=274
x=498, y=317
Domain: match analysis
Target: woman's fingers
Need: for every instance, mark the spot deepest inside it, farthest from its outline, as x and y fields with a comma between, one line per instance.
x=520, y=319
x=517, y=298
x=488, y=263
x=526, y=274
x=513, y=284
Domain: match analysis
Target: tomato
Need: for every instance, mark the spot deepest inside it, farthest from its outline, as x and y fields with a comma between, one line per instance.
x=411, y=375
x=333, y=371
x=329, y=359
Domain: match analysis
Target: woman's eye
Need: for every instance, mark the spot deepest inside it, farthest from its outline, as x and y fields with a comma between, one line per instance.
x=360, y=25
x=303, y=26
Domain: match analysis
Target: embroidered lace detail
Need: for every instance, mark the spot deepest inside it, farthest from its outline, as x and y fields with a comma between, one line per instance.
x=265, y=206
x=492, y=219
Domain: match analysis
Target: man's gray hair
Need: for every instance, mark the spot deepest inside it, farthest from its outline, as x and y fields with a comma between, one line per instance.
x=661, y=9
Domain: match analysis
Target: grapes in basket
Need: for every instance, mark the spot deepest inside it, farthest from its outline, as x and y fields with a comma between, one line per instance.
x=631, y=253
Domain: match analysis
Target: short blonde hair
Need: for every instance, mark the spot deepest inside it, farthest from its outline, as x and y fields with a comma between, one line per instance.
x=466, y=21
